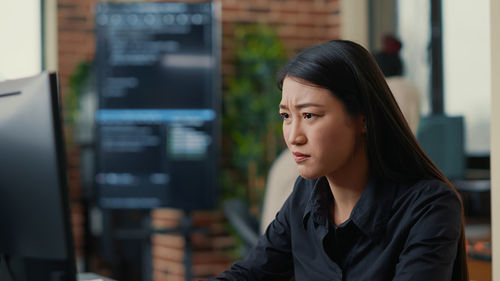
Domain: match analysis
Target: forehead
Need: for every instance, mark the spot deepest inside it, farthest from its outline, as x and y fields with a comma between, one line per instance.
x=296, y=90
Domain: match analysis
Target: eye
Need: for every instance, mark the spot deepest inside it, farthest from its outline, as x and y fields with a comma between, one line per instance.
x=308, y=115
x=284, y=115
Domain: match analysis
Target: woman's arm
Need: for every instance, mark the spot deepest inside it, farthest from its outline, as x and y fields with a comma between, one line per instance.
x=270, y=259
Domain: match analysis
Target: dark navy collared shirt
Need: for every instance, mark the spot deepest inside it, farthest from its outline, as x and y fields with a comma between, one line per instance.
x=395, y=232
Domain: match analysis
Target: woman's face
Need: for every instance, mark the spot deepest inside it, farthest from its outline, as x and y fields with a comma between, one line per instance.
x=323, y=138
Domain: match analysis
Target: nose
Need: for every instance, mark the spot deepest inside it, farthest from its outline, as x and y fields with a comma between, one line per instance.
x=294, y=134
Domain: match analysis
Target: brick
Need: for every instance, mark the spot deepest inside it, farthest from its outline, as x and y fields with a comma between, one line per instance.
x=198, y=257
x=197, y=269
x=198, y=241
x=161, y=275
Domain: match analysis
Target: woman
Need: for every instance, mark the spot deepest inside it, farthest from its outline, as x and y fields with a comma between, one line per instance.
x=369, y=204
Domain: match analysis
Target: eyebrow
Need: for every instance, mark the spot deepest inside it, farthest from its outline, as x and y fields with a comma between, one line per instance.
x=302, y=105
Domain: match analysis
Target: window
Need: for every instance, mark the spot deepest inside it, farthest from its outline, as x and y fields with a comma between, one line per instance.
x=21, y=37
x=466, y=60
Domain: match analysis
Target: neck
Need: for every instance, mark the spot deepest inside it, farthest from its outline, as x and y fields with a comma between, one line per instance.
x=347, y=185
x=346, y=197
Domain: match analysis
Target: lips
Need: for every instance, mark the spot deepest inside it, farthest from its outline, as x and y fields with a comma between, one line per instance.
x=299, y=157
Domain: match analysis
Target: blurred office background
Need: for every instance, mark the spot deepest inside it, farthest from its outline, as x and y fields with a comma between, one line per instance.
x=447, y=51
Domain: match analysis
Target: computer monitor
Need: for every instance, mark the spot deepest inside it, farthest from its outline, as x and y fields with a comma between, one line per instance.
x=35, y=234
x=158, y=114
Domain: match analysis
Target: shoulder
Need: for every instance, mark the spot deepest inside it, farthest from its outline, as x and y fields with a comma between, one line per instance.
x=428, y=198
x=427, y=189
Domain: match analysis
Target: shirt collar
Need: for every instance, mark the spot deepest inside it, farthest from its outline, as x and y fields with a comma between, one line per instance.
x=370, y=214
x=318, y=203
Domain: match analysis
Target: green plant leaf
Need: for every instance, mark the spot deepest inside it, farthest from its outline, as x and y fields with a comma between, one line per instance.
x=250, y=108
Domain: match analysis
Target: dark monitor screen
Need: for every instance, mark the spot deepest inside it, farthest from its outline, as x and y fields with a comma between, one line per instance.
x=157, y=123
x=155, y=55
x=34, y=208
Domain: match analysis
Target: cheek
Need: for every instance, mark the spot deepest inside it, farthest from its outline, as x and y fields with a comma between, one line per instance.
x=285, y=133
x=337, y=139
x=328, y=131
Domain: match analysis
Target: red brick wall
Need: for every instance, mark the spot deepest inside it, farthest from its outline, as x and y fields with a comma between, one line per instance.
x=299, y=23
x=75, y=36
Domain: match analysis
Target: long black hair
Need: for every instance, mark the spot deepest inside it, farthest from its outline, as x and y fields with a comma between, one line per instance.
x=351, y=74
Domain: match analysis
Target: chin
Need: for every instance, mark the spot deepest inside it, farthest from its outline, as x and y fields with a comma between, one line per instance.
x=309, y=174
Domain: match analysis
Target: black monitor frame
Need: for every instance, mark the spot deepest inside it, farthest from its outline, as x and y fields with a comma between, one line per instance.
x=36, y=241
